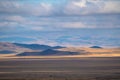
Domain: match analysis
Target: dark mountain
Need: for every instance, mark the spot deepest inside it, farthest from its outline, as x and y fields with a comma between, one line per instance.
x=33, y=46
x=6, y=52
x=37, y=46
x=47, y=52
x=95, y=47
x=57, y=47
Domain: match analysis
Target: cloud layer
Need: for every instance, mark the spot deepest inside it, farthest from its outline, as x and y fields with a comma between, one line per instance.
x=27, y=13
x=71, y=7
x=28, y=17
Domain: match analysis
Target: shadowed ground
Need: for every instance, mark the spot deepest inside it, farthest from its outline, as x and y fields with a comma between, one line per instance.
x=60, y=69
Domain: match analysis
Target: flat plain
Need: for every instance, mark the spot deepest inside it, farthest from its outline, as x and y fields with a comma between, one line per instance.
x=106, y=68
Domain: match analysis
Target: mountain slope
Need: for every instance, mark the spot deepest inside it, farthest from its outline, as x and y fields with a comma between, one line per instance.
x=33, y=46
x=6, y=52
x=6, y=46
x=47, y=52
x=96, y=47
x=37, y=46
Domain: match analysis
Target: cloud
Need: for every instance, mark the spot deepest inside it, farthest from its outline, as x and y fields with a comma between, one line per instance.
x=45, y=42
x=57, y=22
x=17, y=8
x=71, y=7
x=18, y=19
x=36, y=28
x=19, y=23
x=111, y=7
x=81, y=4
x=75, y=14
x=10, y=24
x=87, y=7
x=68, y=25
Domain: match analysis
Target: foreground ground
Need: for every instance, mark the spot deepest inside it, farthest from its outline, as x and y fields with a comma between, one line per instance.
x=60, y=69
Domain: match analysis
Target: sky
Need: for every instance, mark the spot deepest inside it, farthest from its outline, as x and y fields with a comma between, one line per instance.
x=61, y=22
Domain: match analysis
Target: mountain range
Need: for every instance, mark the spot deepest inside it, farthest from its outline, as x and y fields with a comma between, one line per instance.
x=8, y=49
x=47, y=52
x=32, y=49
x=6, y=46
x=37, y=46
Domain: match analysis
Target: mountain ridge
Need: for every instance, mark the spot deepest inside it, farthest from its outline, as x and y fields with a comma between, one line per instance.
x=37, y=46
x=47, y=52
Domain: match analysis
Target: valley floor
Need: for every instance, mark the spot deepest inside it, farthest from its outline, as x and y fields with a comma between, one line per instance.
x=60, y=69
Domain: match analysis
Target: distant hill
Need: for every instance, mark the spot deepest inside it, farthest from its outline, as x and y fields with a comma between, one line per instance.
x=6, y=52
x=37, y=46
x=57, y=47
x=95, y=47
x=33, y=46
x=47, y=52
x=6, y=46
